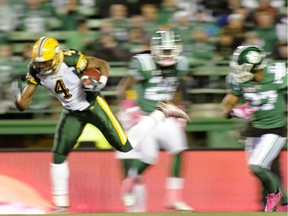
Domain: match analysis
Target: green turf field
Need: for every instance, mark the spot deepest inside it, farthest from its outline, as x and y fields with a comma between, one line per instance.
x=182, y=214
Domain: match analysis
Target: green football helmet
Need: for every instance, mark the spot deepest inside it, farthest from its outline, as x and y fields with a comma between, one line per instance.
x=165, y=47
x=246, y=60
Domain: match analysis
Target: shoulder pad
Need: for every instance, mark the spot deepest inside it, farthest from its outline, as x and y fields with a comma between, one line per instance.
x=182, y=63
x=146, y=62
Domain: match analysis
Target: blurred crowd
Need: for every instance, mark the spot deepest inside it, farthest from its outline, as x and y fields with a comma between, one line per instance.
x=209, y=29
x=116, y=30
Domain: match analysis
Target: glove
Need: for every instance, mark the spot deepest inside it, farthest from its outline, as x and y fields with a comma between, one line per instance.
x=95, y=87
x=242, y=112
x=16, y=89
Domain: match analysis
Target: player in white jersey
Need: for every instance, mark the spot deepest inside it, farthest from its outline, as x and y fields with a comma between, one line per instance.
x=154, y=77
x=59, y=71
x=262, y=87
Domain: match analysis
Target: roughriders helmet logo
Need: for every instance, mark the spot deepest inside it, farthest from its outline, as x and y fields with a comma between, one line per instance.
x=253, y=57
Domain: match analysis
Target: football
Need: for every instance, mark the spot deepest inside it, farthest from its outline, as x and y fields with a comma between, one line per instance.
x=91, y=72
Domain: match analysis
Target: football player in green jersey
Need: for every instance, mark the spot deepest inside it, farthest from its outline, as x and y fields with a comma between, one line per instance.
x=155, y=76
x=59, y=71
x=262, y=87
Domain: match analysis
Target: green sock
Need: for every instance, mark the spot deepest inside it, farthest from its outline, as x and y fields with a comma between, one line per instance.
x=126, y=164
x=140, y=166
x=176, y=165
x=268, y=179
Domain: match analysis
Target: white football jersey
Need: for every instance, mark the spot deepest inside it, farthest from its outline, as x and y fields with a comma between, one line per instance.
x=65, y=84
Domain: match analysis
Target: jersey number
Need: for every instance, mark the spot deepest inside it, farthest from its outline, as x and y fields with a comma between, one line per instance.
x=263, y=100
x=60, y=88
x=161, y=88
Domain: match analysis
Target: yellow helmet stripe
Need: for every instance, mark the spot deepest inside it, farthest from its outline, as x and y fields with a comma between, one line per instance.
x=115, y=122
x=40, y=46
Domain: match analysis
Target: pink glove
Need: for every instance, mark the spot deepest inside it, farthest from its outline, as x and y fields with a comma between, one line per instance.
x=242, y=112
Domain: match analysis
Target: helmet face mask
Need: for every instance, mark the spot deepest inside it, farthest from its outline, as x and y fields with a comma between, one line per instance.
x=46, y=67
x=166, y=47
x=246, y=60
x=46, y=55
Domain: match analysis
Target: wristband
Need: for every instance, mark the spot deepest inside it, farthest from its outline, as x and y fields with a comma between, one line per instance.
x=103, y=79
x=230, y=115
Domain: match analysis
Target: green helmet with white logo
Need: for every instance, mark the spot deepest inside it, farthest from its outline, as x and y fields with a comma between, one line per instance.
x=246, y=60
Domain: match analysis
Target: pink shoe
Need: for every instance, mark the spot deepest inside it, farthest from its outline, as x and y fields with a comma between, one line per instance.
x=272, y=201
x=282, y=208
